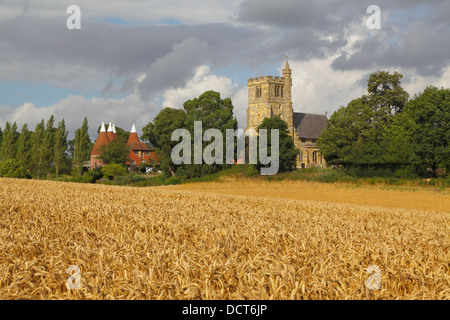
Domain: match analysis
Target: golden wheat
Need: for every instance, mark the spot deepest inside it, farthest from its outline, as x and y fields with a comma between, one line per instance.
x=158, y=243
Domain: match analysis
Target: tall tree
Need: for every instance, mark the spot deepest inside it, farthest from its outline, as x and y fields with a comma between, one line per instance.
x=37, y=149
x=9, y=138
x=24, y=147
x=42, y=146
x=60, y=146
x=357, y=134
x=82, y=146
x=158, y=135
x=430, y=129
x=214, y=113
x=287, y=151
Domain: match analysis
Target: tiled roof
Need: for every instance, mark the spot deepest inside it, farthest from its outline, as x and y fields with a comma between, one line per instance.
x=135, y=144
x=139, y=146
x=102, y=139
x=309, y=125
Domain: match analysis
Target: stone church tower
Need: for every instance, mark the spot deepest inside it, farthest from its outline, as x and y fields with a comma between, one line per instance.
x=272, y=96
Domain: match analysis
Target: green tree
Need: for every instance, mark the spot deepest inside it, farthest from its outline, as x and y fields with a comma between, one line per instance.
x=287, y=151
x=385, y=94
x=113, y=170
x=158, y=135
x=430, y=128
x=82, y=146
x=214, y=113
x=9, y=138
x=11, y=168
x=60, y=146
x=23, y=154
x=116, y=151
x=42, y=146
x=362, y=133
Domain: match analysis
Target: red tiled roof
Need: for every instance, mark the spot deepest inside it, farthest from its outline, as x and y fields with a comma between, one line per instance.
x=139, y=146
x=102, y=139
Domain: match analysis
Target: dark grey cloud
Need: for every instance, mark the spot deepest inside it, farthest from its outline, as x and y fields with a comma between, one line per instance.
x=168, y=55
x=415, y=34
x=424, y=48
x=168, y=69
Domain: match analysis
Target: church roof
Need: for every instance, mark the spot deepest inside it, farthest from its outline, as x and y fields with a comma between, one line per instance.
x=309, y=125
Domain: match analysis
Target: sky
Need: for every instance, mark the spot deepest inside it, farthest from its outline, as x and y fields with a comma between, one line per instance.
x=130, y=59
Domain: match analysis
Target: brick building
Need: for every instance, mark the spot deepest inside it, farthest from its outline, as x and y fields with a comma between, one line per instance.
x=139, y=151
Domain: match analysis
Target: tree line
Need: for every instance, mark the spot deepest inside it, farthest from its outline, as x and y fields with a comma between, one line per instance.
x=214, y=113
x=385, y=133
x=28, y=154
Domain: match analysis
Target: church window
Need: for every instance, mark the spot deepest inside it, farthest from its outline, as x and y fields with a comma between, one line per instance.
x=258, y=92
x=278, y=91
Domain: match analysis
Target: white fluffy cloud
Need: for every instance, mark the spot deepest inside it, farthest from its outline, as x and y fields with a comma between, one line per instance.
x=123, y=112
x=202, y=81
x=319, y=89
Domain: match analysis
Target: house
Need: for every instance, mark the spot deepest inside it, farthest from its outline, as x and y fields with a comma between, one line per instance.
x=139, y=151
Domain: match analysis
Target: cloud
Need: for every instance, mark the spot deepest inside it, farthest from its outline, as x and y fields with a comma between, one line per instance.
x=130, y=11
x=320, y=29
x=203, y=80
x=123, y=112
x=145, y=63
x=169, y=71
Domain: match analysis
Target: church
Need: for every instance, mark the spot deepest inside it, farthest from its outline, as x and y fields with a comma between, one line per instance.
x=270, y=96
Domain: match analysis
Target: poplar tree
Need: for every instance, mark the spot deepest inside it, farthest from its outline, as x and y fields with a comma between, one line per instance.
x=82, y=146
x=23, y=154
x=60, y=146
x=8, y=146
x=37, y=140
x=43, y=144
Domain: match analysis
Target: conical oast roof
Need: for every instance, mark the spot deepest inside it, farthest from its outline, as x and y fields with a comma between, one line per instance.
x=110, y=132
x=133, y=138
x=102, y=139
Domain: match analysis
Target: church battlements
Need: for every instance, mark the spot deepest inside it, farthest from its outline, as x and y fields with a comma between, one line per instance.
x=266, y=79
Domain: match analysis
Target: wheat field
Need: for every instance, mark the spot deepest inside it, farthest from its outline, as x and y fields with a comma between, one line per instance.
x=162, y=243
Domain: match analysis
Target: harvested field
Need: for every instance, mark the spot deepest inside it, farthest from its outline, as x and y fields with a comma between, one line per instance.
x=160, y=243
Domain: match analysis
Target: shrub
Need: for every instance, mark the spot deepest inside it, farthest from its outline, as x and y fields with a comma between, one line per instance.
x=92, y=176
x=173, y=180
x=12, y=169
x=113, y=170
